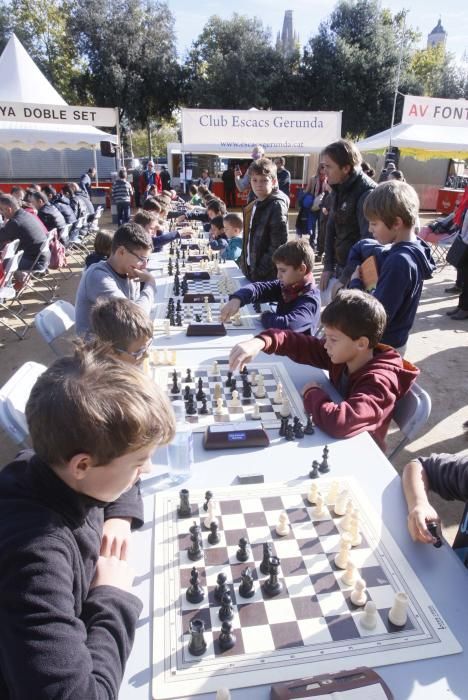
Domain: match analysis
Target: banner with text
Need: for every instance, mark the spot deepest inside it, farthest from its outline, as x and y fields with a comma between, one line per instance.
x=432, y=110
x=237, y=131
x=57, y=114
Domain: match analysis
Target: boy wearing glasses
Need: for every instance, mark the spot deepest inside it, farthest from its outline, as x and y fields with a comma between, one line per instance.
x=120, y=276
x=123, y=327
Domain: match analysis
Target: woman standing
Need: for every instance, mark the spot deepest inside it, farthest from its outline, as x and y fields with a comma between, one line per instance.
x=310, y=201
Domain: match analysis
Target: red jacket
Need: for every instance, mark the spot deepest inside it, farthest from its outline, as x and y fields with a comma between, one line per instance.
x=371, y=392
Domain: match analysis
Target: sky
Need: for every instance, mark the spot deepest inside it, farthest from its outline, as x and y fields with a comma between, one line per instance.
x=192, y=15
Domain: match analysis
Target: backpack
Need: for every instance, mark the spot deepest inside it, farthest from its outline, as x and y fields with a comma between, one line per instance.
x=58, y=256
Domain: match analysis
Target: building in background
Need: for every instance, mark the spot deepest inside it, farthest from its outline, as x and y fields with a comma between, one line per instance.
x=438, y=36
x=287, y=42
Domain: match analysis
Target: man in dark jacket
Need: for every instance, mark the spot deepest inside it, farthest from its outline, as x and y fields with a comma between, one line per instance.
x=48, y=213
x=67, y=611
x=265, y=222
x=284, y=176
x=28, y=229
x=346, y=222
x=61, y=202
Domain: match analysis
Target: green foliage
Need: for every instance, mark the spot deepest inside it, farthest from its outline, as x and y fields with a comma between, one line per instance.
x=437, y=75
x=160, y=136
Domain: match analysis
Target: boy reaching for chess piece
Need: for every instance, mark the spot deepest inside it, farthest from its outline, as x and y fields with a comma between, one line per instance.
x=371, y=377
x=294, y=290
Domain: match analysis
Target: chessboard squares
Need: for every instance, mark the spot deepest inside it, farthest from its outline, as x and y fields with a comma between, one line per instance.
x=216, y=556
x=342, y=627
x=299, y=586
x=255, y=519
x=253, y=614
x=296, y=516
x=314, y=631
x=293, y=566
x=258, y=639
x=236, y=569
x=383, y=596
x=363, y=557
x=317, y=564
x=310, y=546
x=331, y=543
x=272, y=503
x=211, y=575
x=193, y=613
x=216, y=622
x=287, y=549
x=378, y=629
x=250, y=505
x=332, y=603
x=293, y=501
x=286, y=635
x=304, y=530
x=325, y=583
x=238, y=647
x=234, y=521
x=230, y=507
x=375, y=576
x=306, y=607
x=258, y=535
x=324, y=527
x=233, y=536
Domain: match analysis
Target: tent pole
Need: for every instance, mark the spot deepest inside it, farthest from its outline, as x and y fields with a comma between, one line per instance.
x=95, y=167
x=397, y=80
x=183, y=172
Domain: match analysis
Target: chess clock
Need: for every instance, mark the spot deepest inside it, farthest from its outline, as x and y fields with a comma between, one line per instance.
x=232, y=436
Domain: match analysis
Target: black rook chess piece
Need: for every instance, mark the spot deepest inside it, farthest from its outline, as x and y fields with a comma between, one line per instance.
x=197, y=644
x=184, y=510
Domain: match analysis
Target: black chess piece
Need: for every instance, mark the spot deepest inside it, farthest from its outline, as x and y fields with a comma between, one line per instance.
x=289, y=432
x=314, y=472
x=229, y=379
x=246, y=588
x=246, y=389
x=184, y=510
x=187, y=393
x=200, y=395
x=272, y=586
x=265, y=564
x=195, y=552
x=213, y=537
x=178, y=305
x=191, y=408
x=324, y=467
x=184, y=287
x=221, y=588
x=298, y=429
x=309, y=428
x=197, y=644
x=282, y=430
x=208, y=497
x=226, y=611
x=203, y=409
x=178, y=320
x=194, y=528
x=432, y=527
x=188, y=377
x=226, y=639
x=233, y=385
x=198, y=318
x=244, y=372
x=194, y=593
x=243, y=553
x=175, y=389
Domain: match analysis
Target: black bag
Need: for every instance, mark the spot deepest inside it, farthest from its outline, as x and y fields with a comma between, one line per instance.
x=458, y=253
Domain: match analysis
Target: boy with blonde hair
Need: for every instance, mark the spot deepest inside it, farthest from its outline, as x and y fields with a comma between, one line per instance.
x=403, y=261
x=123, y=328
x=294, y=291
x=67, y=610
x=233, y=225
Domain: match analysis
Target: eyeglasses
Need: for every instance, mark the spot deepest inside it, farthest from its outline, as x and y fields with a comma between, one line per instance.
x=141, y=258
x=137, y=354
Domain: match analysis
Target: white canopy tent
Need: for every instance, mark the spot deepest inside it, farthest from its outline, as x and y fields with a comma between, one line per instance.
x=22, y=81
x=428, y=137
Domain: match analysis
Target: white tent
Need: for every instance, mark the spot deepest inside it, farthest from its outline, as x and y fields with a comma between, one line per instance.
x=423, y=137
x=22, y=81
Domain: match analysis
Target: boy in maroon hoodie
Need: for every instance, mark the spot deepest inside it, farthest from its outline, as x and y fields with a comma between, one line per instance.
x=370, y=377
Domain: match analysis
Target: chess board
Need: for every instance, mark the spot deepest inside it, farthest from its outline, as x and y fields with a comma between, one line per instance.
x=273, y=374
x=189, y=312
x=216, y=285
x=311, y=627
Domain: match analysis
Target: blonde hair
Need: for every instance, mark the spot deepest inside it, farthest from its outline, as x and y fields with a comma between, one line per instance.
x=392, y=199
x=119, y=322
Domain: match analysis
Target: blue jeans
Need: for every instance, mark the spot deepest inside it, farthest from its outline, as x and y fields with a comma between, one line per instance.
x=123, y=212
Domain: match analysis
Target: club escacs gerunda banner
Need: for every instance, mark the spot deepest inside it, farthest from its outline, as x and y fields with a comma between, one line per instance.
x=432, y=110
x=237, y=131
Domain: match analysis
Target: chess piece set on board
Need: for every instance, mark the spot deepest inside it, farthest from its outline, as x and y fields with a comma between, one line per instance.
x=296, y=429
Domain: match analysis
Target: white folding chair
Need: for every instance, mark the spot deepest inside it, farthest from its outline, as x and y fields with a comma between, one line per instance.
x=40, y=274
x=411, y=414
x=55, y=320
x=13, y=399
x=8, y=250
x=8, y=294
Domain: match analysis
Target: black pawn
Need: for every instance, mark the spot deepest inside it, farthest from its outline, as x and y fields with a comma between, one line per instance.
x=226, y=638
x=432, y=527
x=184, y=510
x=213, y=537
x=246, y=588
x=186, y=393
x=289, y=432
x=229, y=379
x=265, y=564
x=246, y=389
x=226, y=611
x=200, y=395
x=272, y=586
x=324, y=468
x=282, y=430
x=188, y=379
x=195, y=552
x=208, y=497
x=233, y=385
x=243, y=552
x=191, y=407
x=197, y=644
x=314, y=472
x=221, y=588
x=298, y=429
x=309, y=428
x=203, y=409
x=195, y=592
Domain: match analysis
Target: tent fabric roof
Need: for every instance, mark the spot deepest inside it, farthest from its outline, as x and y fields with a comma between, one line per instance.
x=22, y=81
x=420, y=136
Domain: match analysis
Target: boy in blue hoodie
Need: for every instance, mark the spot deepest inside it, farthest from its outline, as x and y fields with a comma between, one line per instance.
x=294, y=291
x=403, y=261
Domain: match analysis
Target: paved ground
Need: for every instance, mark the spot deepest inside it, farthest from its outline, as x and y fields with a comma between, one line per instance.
x=437, y=345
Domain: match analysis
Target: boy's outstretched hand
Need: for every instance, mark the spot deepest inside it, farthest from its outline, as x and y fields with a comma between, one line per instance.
x=111, y=571
x=418, y=519
x=116, y=534
x=243, y=353
x=229, y=309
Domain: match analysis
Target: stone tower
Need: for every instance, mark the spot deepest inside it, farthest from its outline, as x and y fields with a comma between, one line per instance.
x=287, y=41
x=437, y=37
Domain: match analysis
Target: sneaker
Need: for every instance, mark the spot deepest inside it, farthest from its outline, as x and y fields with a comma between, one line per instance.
x=461, y=315
x=452, y=312
x=453, y=290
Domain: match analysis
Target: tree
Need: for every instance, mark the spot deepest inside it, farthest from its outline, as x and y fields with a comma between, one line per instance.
x=232, y=65
x=352, y=63
x=436, y=74
x=129, y=47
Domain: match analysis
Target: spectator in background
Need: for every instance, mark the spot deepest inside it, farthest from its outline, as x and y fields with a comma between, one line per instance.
x=61, y=202
x=243, y=181
x=310, y=201
x=284, y=176
x=386, y=170
x=102, y=247
x=48, y=213
x=396, y=175
x=367, y=169
x=27, y=228
x=149, y=177
x=229, y=181
x=122, y=196
x=86, y=180
x=165, y=177
x=85, y=201
x=205, y=179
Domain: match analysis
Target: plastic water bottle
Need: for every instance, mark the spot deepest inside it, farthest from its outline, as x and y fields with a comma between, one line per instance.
x=180, y=450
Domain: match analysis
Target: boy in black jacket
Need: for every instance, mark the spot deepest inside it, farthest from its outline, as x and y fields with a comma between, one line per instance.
x=67, y=613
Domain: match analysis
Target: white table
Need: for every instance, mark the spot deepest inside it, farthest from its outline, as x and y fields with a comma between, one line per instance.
x=440, y=571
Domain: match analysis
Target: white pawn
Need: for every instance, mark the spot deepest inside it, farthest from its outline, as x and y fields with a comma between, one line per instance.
x=219, y=410
x=217, y=392
x=313, y=493
x=167, y=327
x=398, y=614
x=341, y=502
x=278, y=397
x=260, y=391
x=215, y=368
x=211, y=517
x=358, y=594
x=172, y=357
x=332, y=493
x=342, y=558
x=319, y=510
x=209, y=315
x=368, y=619
x=256, y=415
x=350, y=575
x=282, y=528
x=236, y=319
x=345, y=524
x=356, y=537
x=253, y=378
x=223, y=694
x=235, y=399
x=285, y=408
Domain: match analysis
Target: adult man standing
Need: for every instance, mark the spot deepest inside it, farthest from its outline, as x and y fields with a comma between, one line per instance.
x=243, y=181
x=284, y=176
x=149, y=177
x=86, y=180
x=27, y=228
x=165, y=177
x=229, y=182
x=346, y=222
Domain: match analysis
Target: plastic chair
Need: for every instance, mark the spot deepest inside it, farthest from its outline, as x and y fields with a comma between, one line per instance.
x=9, y=294
x=13, y=398
x=411, y=414
x=55, y=320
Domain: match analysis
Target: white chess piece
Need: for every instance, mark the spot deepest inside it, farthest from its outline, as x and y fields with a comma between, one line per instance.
x=256, y=415
x=235, y=399
x=285, y=408
x=172, y=357
x=282, y=528
x=345, y=523
x=313, y=493
x=217, y=392
x=356, y=537
x=358, y=594
x=223, y=694
x=260, y=392
x=167, y=327
x=350, y=575
x=215, y=368
x=319, y=510
x=398, y=614
x=211, y=517
x=368, y=619
x=332, y=493
x=278, y=397
x=341, y=502
x=236, y=319
x=342, y=558
x=219, y=409
x=209, y=315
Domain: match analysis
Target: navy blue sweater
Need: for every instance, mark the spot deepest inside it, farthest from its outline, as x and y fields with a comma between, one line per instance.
x=59, y=639
x=402, y=269
x=163, y=238
x=301, y=315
